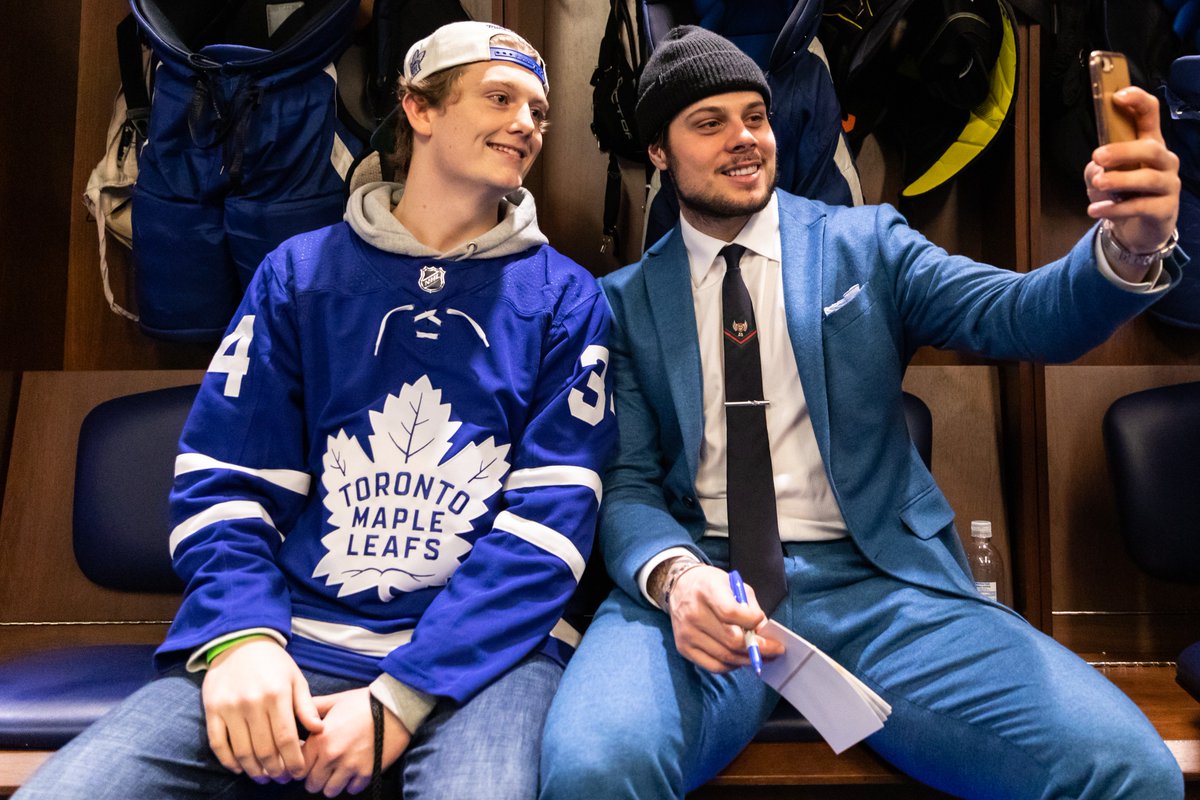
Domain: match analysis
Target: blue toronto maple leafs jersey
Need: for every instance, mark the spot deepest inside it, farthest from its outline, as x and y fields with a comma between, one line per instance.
x=395, y=462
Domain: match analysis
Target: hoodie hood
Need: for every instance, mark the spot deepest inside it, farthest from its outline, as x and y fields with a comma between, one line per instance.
x=369, y=213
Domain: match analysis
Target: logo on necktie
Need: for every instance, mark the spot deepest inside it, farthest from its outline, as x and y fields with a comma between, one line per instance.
x=741, y=332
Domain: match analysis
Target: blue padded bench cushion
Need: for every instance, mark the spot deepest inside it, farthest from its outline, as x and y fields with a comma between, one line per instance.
x=1152, y=439
x=123, y=473
x=48, y=698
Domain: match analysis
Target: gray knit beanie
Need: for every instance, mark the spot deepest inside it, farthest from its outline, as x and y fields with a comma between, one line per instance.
x=691, y=63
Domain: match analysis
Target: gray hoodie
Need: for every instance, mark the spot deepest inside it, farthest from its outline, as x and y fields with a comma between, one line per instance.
x=369, y=213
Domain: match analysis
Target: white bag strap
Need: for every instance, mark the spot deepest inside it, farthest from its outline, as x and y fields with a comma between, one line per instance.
x=110, y=175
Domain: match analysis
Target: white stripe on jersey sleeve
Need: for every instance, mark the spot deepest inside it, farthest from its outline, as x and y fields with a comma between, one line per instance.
x=555, y=476
x=290, y=479
x=220, y=512
x=350, y=637
x=377, y=645
x=545, y=538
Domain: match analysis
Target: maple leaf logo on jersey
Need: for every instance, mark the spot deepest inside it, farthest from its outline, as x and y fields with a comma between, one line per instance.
x=398, y=515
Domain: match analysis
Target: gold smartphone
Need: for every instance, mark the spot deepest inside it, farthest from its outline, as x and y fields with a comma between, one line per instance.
x=1110, y=74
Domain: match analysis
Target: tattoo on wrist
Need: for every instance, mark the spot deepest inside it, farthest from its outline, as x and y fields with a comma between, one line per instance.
x=676, y=569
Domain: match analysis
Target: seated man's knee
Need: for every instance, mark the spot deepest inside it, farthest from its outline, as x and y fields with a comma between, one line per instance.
x=1146, y=769
x=1132, y=764
x=598, y=759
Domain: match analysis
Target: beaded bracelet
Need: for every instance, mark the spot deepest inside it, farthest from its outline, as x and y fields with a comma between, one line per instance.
x=676, y=571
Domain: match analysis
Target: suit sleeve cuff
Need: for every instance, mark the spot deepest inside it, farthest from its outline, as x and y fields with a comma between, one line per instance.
x=198, y=660
x=410, y=706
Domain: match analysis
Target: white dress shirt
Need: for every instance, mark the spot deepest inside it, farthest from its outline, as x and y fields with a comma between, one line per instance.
x=803, y=498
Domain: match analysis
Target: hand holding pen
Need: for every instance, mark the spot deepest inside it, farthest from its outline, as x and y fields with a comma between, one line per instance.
x=709, y=623
x=739, y=594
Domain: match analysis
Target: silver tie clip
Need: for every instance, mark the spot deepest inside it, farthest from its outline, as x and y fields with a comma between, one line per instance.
x=729, y=403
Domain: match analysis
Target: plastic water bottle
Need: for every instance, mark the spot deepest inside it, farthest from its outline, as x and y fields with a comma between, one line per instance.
x=986, y=565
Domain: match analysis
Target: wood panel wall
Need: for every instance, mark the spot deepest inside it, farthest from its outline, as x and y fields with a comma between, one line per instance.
x=9, y=383
x=37, y=91
x=43, y=594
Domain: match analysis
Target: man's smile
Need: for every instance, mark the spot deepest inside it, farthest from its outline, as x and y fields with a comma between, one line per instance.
x=509, y=150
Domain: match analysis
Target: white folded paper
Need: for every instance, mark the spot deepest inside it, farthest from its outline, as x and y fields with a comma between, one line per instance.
x=842, y=708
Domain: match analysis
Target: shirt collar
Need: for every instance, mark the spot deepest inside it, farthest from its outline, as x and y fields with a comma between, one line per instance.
x=759, y=235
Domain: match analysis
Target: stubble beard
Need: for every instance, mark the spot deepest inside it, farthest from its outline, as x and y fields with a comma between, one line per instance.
x=716, y=206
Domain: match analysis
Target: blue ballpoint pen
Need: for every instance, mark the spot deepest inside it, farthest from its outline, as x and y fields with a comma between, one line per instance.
x=739, y=594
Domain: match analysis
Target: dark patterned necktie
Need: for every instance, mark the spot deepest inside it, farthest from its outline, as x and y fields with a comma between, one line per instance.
x=754, y=547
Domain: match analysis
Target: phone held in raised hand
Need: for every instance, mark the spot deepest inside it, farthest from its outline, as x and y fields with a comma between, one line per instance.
x=1110, y=74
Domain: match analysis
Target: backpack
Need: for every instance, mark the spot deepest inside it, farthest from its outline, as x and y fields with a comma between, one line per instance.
x=110, y=185
x=614, y=98
x=1141, y=30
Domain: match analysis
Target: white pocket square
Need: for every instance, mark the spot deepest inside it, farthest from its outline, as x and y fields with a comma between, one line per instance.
x=850, y=294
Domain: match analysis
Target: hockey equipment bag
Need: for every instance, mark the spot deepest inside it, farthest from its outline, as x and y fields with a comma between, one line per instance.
x=371, y=107
x=937, y=77
x=614, y=98
x=244, y=150
x=396, y=25
x=369, y=71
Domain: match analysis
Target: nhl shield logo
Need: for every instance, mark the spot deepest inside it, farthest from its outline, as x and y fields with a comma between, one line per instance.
x=432, y=279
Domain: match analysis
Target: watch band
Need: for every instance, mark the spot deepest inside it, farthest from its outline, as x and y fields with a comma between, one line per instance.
x=1117, y=253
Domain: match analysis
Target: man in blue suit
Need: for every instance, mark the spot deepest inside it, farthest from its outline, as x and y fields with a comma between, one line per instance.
x=656, y=701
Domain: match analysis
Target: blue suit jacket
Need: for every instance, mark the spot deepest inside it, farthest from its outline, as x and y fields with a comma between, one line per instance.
x=851, y=358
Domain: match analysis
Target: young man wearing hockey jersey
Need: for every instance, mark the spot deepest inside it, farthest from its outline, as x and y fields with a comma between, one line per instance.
x=387, y=488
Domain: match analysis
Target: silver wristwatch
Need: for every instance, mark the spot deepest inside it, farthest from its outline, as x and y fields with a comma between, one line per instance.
x=1117, y=253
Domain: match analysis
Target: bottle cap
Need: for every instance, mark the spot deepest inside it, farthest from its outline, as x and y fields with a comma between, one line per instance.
x=981, y=529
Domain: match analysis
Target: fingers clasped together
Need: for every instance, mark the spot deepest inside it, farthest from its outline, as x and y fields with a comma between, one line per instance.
x=255, y=700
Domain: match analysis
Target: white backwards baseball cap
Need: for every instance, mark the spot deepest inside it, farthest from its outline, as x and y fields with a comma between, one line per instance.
x=466, y=43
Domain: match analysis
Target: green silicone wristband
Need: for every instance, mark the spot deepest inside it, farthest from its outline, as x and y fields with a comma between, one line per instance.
x=216, y=650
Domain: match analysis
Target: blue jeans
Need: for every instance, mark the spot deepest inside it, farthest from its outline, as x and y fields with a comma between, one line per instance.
x=983, y=705
x=154, y=745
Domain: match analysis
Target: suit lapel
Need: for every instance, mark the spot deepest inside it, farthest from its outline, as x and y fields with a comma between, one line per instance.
x=803, y=268
x=669, y=288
